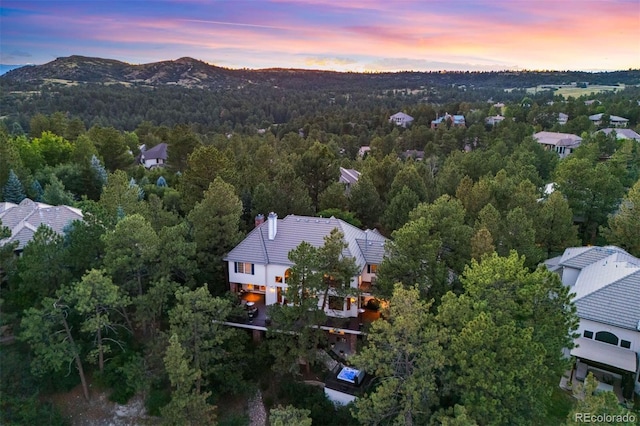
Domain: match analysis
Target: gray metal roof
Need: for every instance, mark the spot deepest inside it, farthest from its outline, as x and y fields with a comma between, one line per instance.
x=554, y=138
x=616, y=303
x=579, y=257
x=25, y=218
x=622, y=133
x=608, y=287
x=293, y=230
x=159, y=151
x=349, y=176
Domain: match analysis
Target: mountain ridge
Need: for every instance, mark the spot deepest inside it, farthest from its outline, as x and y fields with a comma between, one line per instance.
x=193, y=73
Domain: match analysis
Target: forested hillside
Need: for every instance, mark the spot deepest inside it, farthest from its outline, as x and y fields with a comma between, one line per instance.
x=132, y=298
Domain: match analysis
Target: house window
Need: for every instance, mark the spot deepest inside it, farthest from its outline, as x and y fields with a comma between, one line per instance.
x=244, y=268
x=372, y=269
x=588, y=334
x=606, y=337
x=279, y=280
x=336, y=303
x=625, y=344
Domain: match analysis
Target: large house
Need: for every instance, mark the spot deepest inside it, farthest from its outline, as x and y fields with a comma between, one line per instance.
x=259, y=265
x=24, y=219
x=622, y=134
x=605, y=282
x=401, y=119
x=614, y=120
x=454, y=120
x=562, y=143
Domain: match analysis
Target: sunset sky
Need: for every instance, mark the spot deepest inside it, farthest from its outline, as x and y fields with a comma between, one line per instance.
x=342, y=35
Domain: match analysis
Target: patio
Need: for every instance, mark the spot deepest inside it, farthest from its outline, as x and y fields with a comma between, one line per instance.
x=607, y=381
x=353, y=325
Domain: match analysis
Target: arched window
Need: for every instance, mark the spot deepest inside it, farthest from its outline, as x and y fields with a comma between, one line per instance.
x=606, y=337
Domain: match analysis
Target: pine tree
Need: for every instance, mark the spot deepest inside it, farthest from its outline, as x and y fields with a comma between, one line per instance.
x=36, y=191
x=13, y=191
x=99, y=170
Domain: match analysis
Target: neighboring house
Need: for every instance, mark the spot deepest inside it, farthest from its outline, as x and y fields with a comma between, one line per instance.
x=24, y=219
x=605, y=282
x=591, y=102
x=614, y=120
x=413, y=153
x=455, y=120
x=562, y=143
x=153, y=157
x=260, y=265
x=492, y=121
x=364, y=150
x=348, y=177
x=562, y=118
x=622, y=133
x=401, y=119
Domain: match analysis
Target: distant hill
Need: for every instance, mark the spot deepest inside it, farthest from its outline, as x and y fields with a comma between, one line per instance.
x=192, y=73
x=5, y=68
x=187, y=72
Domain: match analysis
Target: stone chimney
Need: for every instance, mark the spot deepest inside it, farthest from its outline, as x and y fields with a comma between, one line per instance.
x=259, y=220
x=273, y=225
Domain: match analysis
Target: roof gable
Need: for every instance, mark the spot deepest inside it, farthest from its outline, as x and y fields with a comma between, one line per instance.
x=349, y=176
x=157, y=152
x=293, y=230
x=557, y=138
x=25, y=218
x=617, y=303
x=607, y=289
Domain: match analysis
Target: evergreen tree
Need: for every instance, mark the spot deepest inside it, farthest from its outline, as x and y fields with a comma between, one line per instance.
x=289, y=416
x=55, y=193
x=404, y=354
x=215, y=227
x=13, y=191
x=36, y=191
x=187, y=406
x=99, y=170
x=624, y=225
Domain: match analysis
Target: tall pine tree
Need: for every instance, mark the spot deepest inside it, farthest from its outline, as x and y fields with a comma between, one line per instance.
x=13, y=191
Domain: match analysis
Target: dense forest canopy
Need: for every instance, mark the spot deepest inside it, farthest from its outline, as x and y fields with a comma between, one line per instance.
x=133, y=297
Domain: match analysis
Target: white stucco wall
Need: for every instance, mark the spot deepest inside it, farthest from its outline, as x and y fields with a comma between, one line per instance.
x=258, y=277
x=622, y=333
x=570, y=276
x=265, y=275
